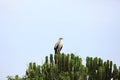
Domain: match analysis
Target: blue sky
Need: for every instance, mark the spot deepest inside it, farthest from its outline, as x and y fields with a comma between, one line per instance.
x=29, y=30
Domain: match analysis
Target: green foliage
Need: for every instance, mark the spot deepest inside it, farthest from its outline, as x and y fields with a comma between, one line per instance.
x=70, y=67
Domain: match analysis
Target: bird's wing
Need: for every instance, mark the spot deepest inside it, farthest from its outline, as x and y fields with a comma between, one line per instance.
x=56, y=45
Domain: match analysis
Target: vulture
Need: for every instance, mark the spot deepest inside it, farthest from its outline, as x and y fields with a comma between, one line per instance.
x=58, y=46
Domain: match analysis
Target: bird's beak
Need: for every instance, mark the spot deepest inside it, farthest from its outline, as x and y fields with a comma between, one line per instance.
x=60, y=38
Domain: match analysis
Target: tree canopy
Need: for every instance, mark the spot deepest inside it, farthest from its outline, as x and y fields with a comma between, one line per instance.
x=70, y=67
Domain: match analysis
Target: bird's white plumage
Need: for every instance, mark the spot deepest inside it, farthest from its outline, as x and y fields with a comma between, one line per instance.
x=58, y=46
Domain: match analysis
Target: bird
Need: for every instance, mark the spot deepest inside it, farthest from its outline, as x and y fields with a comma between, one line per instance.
x=58, y=46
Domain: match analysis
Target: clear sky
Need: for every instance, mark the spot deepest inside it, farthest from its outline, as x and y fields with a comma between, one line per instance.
x=30, y=28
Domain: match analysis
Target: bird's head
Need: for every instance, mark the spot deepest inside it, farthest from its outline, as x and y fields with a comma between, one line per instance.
x=60, y=38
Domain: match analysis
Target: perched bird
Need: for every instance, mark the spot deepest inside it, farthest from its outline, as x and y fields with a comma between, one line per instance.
x=58, y=46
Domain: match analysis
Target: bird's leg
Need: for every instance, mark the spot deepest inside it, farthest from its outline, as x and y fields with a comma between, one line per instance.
x=58, y=51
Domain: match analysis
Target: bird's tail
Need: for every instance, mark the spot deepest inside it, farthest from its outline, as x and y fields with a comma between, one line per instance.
x=55, y=51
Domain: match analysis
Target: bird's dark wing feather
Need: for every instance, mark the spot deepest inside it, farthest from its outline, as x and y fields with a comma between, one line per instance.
x=55, y=48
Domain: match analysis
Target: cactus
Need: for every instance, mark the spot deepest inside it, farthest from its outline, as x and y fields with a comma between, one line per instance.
x=46, y=59
x=70, y=67
x=51, y=58
x=115, y=73
x=119, y=74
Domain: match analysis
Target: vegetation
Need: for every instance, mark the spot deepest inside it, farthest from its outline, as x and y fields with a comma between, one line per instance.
x=70, y=67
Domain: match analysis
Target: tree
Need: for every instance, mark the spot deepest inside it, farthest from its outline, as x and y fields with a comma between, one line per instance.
x=70, y=67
